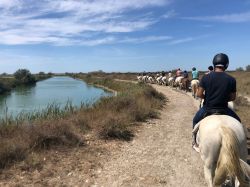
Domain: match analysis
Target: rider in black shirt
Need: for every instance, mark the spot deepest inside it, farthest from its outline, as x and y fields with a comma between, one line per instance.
x=217, y=89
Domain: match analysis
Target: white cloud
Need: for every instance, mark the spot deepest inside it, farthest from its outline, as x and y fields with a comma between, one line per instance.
x=7, y=4
x=183, y=40
x=63, y=22
x=169, y=14
x=145, y=39
x=187, y=39
x=229, y=18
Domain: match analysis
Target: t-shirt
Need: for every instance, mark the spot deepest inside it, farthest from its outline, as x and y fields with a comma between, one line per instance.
x=178, y=73
x=195, y=74
x=218, y=86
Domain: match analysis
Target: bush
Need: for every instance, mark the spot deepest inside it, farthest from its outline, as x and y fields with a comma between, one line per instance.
x=23, y=76
x=239, y=69
x=248, y=68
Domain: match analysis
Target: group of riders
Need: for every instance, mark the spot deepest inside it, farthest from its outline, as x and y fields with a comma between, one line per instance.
x=216, y=88
x=178, y=79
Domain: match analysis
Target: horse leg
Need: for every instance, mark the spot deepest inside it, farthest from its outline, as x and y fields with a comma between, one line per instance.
x=195, y=91
x=208, y=172
x=192, y=91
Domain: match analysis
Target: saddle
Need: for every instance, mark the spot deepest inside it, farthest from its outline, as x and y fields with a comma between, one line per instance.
x=210, y=112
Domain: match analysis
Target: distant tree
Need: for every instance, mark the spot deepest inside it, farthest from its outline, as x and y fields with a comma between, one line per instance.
x=24, y=76
x=239, y=69
x=41, y=73
x=248, y=68
x=4, y=74
x=50, y=74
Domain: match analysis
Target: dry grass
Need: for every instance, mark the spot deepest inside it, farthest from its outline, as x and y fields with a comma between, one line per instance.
x=109, y=118
x=243, y=82
x=243, y=88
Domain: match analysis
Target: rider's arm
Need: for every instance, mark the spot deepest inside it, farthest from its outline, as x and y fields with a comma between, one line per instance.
x=232, y=96
x=200, y=93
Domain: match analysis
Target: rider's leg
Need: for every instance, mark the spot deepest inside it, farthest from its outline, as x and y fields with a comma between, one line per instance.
x=198, y=117
x=231, y=113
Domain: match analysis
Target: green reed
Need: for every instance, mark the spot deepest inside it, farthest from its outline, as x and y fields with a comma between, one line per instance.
x=52, y=111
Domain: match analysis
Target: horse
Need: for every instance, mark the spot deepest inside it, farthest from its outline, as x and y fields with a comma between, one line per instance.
x=158, y=80
x=185, y=84
x=164, y=80
x=139, y=78
x=223, y=149
x=177, y=82
x=150, y=79
x=194, y=87
x=171, y=81
x=144, y=79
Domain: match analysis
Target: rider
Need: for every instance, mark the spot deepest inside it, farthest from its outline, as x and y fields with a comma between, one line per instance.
x=178, y=72
x=170, y=74
x=219, y=88
x=210, y=69
x=185, y=74
x=195, y=74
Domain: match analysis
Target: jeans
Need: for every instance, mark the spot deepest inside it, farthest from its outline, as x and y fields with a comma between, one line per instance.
x=200, y=115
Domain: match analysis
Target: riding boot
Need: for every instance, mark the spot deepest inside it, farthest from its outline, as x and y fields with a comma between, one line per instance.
x=193, y=138
x=195, y=146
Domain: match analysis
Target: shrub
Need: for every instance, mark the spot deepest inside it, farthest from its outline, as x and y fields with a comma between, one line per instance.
x=24, y=76
x=239, y=69
x=248, y=68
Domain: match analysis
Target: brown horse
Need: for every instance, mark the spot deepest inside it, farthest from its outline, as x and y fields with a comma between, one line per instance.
x=185, y=82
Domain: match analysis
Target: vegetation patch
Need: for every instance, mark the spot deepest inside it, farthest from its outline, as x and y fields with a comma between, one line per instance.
x=109, y=118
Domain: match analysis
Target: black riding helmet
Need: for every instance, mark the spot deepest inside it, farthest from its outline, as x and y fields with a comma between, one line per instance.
x=221, y=59
x=211, y=68
x=193, y=68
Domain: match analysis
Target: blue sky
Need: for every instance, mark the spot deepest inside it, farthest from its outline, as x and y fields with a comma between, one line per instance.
x=117, y=35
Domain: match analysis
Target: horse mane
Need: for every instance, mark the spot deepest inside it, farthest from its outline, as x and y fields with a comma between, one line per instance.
x=228, y=163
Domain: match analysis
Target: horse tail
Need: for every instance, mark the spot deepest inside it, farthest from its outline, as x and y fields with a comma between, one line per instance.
x=229, y=161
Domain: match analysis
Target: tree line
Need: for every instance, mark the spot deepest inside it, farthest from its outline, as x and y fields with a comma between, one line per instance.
x=242, y=69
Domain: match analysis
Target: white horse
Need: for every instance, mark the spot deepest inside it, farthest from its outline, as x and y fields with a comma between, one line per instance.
x=164, y=80
x=139, y=78
x=178, y=81
x=158, y=79
x=171, y=81
x=151, y=79
x=194, y=87
x=144, y=79
x=223, y=149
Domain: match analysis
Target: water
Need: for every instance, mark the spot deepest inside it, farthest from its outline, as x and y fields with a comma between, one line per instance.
x=59, y=90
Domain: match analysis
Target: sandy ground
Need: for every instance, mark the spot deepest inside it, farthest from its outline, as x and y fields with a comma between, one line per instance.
x=159, y=155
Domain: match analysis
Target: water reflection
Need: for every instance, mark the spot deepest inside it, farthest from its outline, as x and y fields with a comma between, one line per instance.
x=57, y=90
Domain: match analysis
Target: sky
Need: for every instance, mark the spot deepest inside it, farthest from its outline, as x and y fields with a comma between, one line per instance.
x=122, y=35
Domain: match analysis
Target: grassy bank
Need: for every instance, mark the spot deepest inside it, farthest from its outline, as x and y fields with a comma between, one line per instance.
x=109, y=118
x=7, y=83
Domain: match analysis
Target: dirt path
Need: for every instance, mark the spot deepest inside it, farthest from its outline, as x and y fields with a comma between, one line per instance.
x=161, y=153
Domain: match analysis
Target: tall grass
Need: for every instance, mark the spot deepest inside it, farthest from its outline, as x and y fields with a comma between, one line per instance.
x=243, y=82
x=51, y=111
